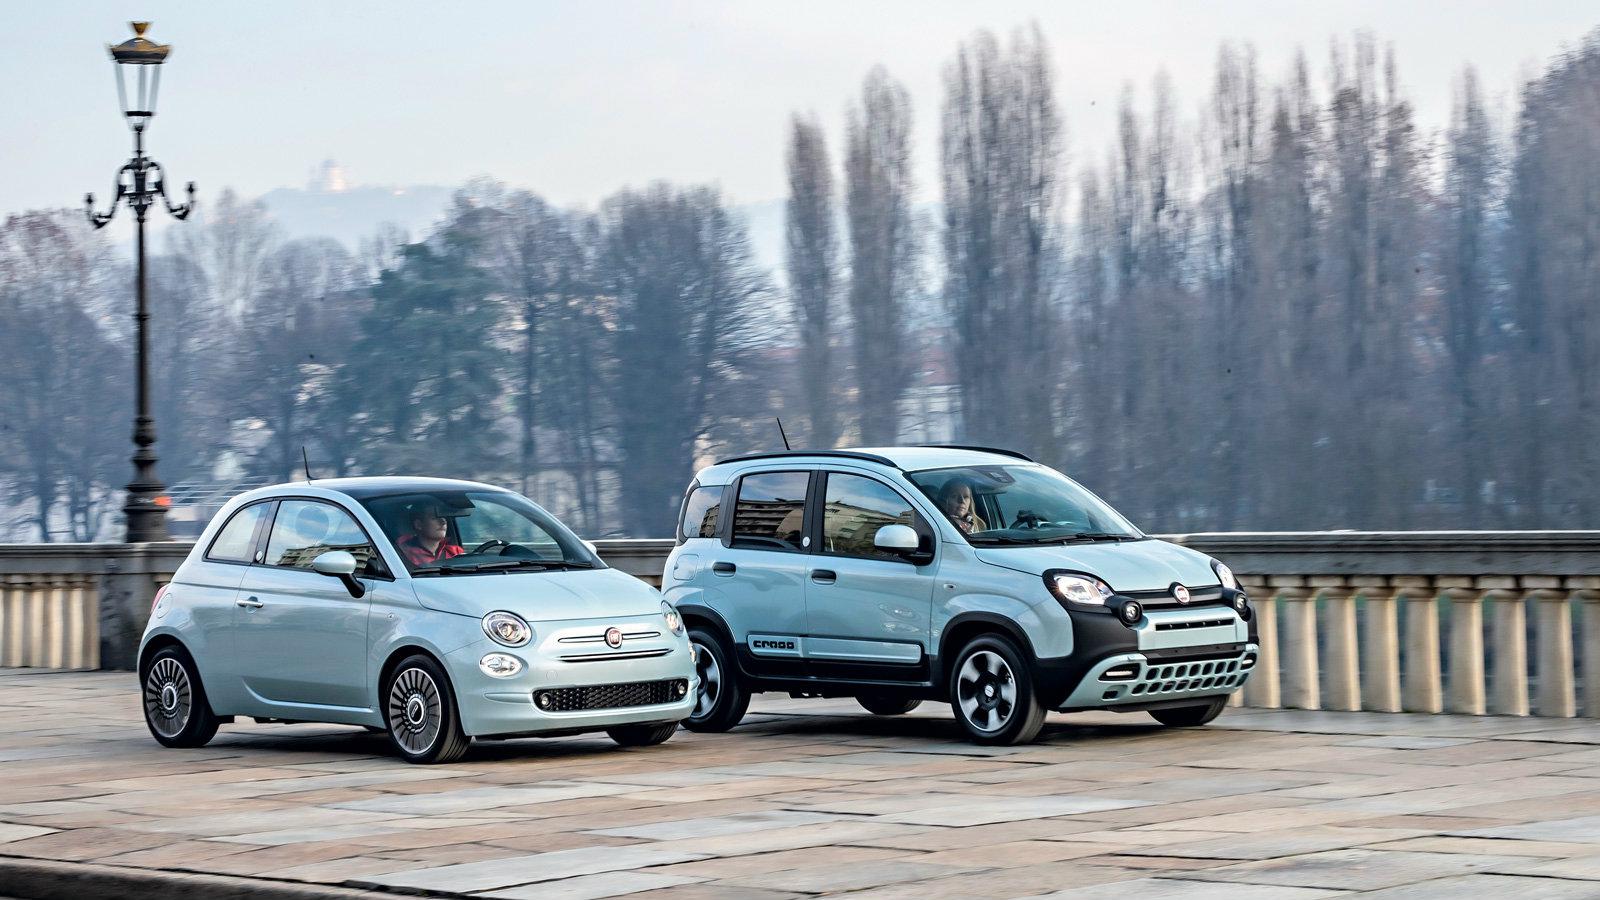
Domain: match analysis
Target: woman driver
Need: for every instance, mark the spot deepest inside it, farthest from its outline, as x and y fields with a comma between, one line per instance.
x=955, y=499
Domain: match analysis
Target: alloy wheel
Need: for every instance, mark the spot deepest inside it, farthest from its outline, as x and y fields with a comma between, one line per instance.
x=986, y=691
x=415, y=711
x=710, y=681
x=168, y=697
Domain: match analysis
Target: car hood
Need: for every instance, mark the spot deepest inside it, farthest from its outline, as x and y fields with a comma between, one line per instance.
x=541, y=596
x=1147, y=565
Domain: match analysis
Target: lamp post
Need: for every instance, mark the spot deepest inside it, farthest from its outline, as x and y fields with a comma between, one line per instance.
x=140, y=182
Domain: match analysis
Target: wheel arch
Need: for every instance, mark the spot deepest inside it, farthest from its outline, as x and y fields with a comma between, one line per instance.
x=968, y=625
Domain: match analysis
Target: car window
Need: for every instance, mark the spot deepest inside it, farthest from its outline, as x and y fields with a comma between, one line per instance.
x=854, y=508
x=769, y=513
x=493, y=522
x=305, y=529
x=700, y=511
x=236, y=541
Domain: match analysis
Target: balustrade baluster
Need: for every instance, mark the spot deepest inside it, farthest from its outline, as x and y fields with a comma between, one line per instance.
x=1380, y=645
x=1509, y=687
x=1299, y=645
x=1553, y=619
x=1342, y=667
x=1466, y=645
x=1424, y=680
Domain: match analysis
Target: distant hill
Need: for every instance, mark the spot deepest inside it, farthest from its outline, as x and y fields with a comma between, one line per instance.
x=351, y=214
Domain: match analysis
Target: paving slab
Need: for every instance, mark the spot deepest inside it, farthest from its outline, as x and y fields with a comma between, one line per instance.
x=815, y=798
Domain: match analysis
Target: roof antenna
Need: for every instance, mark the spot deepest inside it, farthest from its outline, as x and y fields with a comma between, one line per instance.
x=307, y=460
x=782, y=434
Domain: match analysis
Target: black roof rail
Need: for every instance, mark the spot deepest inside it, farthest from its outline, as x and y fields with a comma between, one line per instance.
x=836, y=454
x=1011, y=453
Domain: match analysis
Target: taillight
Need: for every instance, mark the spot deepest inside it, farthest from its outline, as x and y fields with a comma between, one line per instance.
x=160, y=592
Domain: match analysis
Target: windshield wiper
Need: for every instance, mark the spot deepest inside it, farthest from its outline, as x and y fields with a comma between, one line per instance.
x=541, y=563
x=1087, y=536
x=441, y=569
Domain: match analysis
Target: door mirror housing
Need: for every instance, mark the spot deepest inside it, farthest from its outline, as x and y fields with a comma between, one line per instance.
x=340, y=564
x=899, y=539
x=335, y=563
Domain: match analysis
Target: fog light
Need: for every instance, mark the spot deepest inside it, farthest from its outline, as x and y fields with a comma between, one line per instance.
x=500, y=665
x=682, y=687
x=1249, y=662
x=1129, y=612
x=1120, y=673
x=542, y=698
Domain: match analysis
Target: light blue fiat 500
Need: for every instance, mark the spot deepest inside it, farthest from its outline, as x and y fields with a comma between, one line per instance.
x=437, y=611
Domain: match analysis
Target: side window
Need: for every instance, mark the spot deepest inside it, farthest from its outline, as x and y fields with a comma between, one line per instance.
x=236, y=540
x=854, y=508
x=769, y=513
x=700, y=511
x=306, y=529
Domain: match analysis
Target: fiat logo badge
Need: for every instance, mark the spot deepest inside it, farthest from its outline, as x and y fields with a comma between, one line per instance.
x=614, y=635
x=1180, y=593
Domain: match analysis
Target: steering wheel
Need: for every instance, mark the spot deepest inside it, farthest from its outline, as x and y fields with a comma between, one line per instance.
x=488, y=545
x=1028, y=519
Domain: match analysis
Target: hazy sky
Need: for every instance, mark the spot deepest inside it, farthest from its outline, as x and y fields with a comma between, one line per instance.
x=575, y=100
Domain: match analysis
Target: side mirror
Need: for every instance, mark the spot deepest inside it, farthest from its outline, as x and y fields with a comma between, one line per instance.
x=898, y=539
x=340, y=564
x=335, y=563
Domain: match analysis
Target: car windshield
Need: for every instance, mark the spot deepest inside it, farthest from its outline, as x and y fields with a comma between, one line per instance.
x=448, y=532
x=1021, y=505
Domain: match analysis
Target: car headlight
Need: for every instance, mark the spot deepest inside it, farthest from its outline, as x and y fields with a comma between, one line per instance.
x=674, y=621
x=507, y=628
x=1225, y=575
x=1079, y=589
x=499, y=665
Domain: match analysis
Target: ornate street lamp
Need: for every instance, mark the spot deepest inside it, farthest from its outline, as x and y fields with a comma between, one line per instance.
x=140, y=182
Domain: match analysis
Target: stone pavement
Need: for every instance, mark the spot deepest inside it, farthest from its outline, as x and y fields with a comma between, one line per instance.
x=816, y=797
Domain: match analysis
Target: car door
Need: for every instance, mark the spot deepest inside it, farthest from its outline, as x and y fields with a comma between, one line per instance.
x=868, y=610
x=300, y=638
x=757, y=581
x=206, y=593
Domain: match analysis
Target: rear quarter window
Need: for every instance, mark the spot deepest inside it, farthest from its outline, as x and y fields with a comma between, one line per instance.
x=701, y=509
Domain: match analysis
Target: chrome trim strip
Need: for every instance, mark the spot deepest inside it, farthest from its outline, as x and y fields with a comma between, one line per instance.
x=626, y=654
x=600, y=638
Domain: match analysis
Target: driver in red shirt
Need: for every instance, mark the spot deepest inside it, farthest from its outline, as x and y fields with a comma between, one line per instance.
x=428, y=541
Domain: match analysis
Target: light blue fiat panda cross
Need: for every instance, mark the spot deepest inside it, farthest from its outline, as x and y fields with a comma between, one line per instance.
x=967, y=575
x=436, y=611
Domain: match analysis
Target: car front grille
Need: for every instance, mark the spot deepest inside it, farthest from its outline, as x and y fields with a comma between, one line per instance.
x=1162, y=680
x=611, y=696
x=1163, y=599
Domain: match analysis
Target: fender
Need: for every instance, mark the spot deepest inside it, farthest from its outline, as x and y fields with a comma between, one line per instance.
x=946, y=652
x=701, y=611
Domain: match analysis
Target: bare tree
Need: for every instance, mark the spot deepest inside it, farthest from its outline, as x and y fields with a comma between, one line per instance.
x=812, y=259
x=1001, y=167
x=687, y=296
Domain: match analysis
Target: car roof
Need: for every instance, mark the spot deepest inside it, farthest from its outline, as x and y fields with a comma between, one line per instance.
x=364, y=487
x=906, y=459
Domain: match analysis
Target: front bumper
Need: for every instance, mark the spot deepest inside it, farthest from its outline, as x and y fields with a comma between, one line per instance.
x=505, y=706
x=1170, y=654
x=1160, y=680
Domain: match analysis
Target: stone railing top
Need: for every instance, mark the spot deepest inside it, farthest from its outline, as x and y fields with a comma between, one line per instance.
x=1559, y=553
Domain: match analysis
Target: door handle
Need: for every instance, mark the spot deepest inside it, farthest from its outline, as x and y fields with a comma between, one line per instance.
x=824, y=576
x=249, y=603
x=724, y=568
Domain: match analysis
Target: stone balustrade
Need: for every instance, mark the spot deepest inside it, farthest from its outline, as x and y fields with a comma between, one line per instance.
x=1469, y=622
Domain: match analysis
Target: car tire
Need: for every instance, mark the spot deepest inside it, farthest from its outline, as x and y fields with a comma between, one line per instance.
x=175, y=706
x=647, y=735
x=419, y=706
x=887, y=705
x=722, y=700
x=1190, y=716
x=992, y=692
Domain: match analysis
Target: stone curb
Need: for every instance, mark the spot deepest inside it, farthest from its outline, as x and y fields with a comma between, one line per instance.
x=40, y=879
